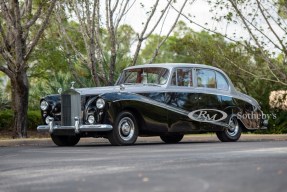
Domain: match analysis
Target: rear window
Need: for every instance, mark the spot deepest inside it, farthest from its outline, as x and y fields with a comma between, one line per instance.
x=206, y=78
x=182, y=77
x=211, y=79
x=221, y=82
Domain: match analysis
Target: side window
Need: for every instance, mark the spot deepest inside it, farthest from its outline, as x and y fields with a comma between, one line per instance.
x=221, y=82
x=182, y=77
x=206, y=78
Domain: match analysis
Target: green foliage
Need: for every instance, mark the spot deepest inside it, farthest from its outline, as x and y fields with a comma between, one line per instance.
x=5, y=102
x=34, y=119
x=6, y=120
x=282, y=10
x=43, y=87
x=125, y=36
x=56, y=64
x=278, y=124
x=49, y=58
x=51, y=64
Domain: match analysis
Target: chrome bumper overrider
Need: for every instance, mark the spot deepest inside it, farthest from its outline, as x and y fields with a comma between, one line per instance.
x=77, y=128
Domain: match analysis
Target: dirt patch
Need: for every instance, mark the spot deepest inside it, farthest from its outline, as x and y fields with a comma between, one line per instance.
x=8, y=134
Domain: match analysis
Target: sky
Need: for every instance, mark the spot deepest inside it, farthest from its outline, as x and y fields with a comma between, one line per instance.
x=199, y=10
x=137, y=15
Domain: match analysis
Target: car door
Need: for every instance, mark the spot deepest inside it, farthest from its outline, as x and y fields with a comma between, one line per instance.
x=182, y=100
x=209, y=98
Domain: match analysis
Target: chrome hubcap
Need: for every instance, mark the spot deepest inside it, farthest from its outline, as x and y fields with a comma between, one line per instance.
x=126, y=128
x=233, y=127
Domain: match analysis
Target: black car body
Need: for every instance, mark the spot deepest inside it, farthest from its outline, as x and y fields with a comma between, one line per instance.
x=166, y=100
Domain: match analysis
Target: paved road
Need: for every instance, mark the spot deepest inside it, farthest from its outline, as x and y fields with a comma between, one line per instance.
x=151, y=166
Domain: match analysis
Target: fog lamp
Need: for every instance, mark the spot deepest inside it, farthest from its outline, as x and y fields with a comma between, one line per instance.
x=91, y=119
x=47, y=119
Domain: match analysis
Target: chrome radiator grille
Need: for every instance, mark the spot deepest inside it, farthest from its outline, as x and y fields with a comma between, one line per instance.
x=70, y=107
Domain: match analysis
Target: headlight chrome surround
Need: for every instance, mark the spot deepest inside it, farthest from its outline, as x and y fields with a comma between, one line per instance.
x=100, y=103
x=44, y=105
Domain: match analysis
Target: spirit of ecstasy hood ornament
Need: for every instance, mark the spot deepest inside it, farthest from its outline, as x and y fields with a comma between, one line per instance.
x=60, y=90
x=72, y=84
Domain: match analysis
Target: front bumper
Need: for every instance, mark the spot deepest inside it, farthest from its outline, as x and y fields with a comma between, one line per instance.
x=77, y=128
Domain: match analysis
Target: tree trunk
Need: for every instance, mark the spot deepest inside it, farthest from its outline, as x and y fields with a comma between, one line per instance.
x=20, y=96
x=112, y=67
x=93, y=62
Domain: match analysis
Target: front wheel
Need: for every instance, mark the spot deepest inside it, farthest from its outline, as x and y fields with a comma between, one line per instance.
x=231, y=134
x=125, y=131
x=172, y=137
x=65, y=140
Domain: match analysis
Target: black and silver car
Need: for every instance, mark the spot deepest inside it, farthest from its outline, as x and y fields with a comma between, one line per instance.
x=166, y=100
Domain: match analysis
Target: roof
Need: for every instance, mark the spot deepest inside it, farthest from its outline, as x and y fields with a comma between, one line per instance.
x=173, y=65
x=170, y=66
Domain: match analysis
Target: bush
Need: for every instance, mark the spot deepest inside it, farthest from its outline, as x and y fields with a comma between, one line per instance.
x=34, y=119
x=279, y=124
x=6, y=120
x=5, y=103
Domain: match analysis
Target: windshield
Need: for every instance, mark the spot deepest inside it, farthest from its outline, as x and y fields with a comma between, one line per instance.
x=151, y=75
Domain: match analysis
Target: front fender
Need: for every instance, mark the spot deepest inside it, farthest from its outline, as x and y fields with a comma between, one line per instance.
x=151, y=115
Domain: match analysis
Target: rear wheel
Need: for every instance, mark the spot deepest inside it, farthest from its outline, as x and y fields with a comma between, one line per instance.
x=125, y=131
x=231, y=134
x=172, y=137
x=64, y=140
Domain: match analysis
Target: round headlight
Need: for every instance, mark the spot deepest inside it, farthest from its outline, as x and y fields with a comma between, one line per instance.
x=91, y=119
x=44, y=105
x=100, y=103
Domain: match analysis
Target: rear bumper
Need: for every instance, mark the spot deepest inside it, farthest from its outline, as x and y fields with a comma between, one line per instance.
x=77, y=128
x=264, y=124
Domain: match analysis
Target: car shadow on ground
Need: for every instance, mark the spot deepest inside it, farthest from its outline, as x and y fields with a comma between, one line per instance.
x=105, y=143
x=94, y=144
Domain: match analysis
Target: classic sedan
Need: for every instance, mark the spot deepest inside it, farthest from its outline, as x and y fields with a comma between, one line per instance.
x=166, y=100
